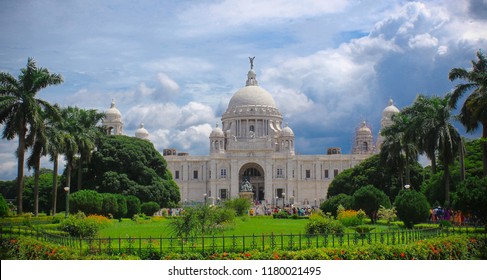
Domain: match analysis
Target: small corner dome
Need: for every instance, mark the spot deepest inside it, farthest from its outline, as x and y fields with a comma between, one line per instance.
x=364, y=129
x=287, y=131
x=141, y=132
x=217, y=132
x=113, y=112
x=390, y=109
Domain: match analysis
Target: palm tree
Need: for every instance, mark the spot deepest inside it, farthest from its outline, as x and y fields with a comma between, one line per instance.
x=86, y=137
x=68, y=130
x=398, y=146
x=20, y=109
x=54, y=148
x=474, y=109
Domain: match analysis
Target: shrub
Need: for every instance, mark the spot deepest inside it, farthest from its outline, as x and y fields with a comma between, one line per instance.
x=109, y=204
x=80, y=226
x=412, y=207
x=3, y=207
x=122, y=207
x=240, y=205
x=351, y=218
x=369, y=199
x=133, y=206
x=331, y=205
x=149, y=208
x=86, y=201
x=471, y=197
x=323, y=224
x=387, y=214
x=281, y=215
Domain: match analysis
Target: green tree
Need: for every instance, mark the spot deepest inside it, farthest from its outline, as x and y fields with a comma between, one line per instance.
x=331, y=204
x=133, y=206
x=473, y=112
x=20, y=110
x=149, y=208
x=369, y=199
x=86, y=201
x=471, y=198
x=3, y=207
x=432, y=132
x=55, y=146
x=412, y=207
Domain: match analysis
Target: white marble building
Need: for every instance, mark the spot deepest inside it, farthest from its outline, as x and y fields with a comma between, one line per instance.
x=253, y=144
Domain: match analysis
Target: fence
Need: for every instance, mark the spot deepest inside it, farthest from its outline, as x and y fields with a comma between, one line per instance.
x=233, y=243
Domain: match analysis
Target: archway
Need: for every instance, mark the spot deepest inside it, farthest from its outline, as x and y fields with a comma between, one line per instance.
x=254, y=173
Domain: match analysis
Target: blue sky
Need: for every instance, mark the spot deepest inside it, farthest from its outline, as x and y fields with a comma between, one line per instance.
x=174, y=65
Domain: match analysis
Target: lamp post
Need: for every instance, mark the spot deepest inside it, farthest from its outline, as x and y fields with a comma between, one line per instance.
x=66, y=189
x=205, y=195
x=283, y=200
x=275, y=201
x=407, y=187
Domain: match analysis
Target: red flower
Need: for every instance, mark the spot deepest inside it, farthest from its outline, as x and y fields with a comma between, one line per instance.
x=402, y=255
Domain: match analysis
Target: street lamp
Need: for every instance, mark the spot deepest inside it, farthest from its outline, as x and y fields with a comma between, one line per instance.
x=275, y=202
x=407, y=187
x=66, y=189
x=205, y=198
x=283, y=200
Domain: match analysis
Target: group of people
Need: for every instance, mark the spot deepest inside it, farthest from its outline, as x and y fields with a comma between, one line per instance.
x=300, y=211
x=456, y=217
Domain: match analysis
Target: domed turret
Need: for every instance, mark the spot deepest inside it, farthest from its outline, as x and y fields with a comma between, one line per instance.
x=363, y=140
x=287, y=132
x=386, y=121
x=217, y=140
x=142, y=133
x=112, y=122
x=217, y=132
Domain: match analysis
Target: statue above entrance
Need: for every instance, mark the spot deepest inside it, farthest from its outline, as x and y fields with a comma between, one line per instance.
x=245, y=186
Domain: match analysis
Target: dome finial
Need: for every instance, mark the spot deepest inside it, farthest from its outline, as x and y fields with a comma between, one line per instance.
x=391, y=102
x=251, y=76
x=113, y=103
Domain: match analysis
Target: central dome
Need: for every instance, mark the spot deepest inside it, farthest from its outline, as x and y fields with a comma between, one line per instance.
x=251, y=95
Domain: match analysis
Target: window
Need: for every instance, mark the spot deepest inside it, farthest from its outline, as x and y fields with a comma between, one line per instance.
x=176, y=175
x=252, y=128
x=223, y=193
x=293, y=173
x=279, y=173
x=279, y=193
x=195, y=174
x=209, y=174
x=251, y=172
x=308, y=173
x=327, y=175
x=223, y=173
x=335, y=172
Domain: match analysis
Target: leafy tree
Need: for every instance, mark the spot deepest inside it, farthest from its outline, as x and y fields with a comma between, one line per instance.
x=86, y=201
x=473, y=113
x=369, y=199
x=131, y=166
x=20, y=110
x=109, y=204
x=471, y=197
x=44, y=183
x=149, y=208
x=412, y=207
x=388, y=214
x=331, y=205
x=372, y=172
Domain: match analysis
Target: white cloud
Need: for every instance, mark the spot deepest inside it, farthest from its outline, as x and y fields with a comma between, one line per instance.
x=193, y=138
x=423, y=41
x=167, y=83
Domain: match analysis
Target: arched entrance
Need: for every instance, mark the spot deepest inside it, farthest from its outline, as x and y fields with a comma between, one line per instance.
x=254, y=173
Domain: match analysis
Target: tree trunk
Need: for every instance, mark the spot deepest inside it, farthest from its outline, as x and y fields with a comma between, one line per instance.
x=36, y=187
x=408, y=173
x=80, y=171
x=54, y=185
x=484, y=147
x=433, y=164
x=446, y=179
x=68, y=183
x=462, y=159
x=20, y=168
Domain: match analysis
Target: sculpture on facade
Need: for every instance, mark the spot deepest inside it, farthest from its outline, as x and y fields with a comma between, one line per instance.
x=245, y=186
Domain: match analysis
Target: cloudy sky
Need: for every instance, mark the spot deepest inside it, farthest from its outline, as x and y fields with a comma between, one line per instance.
x=174, y=65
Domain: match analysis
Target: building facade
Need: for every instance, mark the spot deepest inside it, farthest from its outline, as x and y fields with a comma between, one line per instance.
x=254, y=145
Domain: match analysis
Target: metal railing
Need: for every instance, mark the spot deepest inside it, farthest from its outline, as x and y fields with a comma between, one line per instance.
x=231, y=243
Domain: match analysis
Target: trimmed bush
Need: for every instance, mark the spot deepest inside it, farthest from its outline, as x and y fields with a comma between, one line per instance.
x=322, y=224
x=331, y=205
x=133, y=206
x=412, y=207
x=122, y=207
x=81, y=226
x=86, y=201
x=240, y=205
x=3, y=207
x=109, y=205
x=149, y=208
x=369, y=199
x=351, y=218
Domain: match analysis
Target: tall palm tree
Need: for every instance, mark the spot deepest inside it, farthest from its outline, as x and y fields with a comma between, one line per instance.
x=20, y=109
x=54, y=148
x=69, y=128
x=398, y=144
x=86, y=137
x=474, y=109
